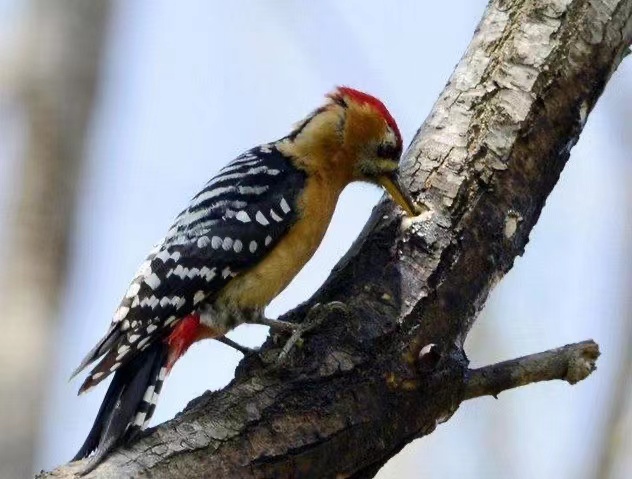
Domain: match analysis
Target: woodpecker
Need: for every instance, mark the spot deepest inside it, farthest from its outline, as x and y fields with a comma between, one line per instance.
x=238, y=244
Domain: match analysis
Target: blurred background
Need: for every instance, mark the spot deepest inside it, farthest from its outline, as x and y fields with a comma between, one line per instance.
x=113, y=114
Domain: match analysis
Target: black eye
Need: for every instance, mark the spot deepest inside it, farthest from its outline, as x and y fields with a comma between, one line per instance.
x=388, y=150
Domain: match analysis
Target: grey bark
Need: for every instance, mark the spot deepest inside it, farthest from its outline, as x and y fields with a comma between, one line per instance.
x=389, y=366
x=53, y=81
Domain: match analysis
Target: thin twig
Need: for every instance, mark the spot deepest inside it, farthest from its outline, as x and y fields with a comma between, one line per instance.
x=571, y=363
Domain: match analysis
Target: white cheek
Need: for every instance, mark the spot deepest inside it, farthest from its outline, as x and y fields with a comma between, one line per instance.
x=390, y=136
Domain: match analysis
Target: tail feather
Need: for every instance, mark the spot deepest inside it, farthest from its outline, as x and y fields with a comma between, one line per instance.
x=102, y=347
x=128, y=404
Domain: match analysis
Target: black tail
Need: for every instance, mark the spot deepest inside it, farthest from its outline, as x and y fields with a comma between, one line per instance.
x=128, y=404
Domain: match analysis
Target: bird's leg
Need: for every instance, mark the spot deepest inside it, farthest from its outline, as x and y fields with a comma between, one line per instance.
x=245, y=350
x=314, y=318
x=277, y=325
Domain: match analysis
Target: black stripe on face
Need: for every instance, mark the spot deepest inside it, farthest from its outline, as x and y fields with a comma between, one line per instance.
x=297, y=131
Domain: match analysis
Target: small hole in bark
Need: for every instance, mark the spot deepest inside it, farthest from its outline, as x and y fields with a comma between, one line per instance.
x=429, y=357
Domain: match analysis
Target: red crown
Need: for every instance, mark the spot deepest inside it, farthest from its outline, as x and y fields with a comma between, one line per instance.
x=366, y=99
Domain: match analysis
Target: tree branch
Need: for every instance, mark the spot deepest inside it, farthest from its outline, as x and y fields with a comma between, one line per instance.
x=571, y=363
x=367, y=382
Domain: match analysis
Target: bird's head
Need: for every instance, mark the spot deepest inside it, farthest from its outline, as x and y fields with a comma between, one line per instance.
x=355, y=137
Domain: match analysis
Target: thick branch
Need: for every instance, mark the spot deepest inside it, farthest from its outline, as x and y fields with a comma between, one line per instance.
x=571, y=363
x=486, y=159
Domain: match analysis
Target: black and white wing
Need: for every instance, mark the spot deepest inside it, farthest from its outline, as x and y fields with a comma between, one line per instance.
x=228, y=228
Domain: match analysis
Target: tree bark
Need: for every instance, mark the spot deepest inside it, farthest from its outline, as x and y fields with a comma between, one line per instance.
x=53, y=82
x=388, y=365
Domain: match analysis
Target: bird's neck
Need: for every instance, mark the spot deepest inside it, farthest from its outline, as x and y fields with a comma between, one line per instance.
x=317, y=147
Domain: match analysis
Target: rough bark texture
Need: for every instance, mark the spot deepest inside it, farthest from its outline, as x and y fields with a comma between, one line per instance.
x=390, y=366
x=52, y=81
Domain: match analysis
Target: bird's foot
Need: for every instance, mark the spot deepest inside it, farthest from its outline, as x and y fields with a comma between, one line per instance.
x=277, y=325
x=314, y=318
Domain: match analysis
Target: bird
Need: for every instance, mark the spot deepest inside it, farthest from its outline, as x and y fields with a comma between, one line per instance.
x=237, y=245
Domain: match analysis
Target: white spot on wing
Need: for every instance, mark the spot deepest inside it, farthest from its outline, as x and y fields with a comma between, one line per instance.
x=199, y=296
x=150, y=329
x=216, y=242
x=193, y=272
x=143, y=342
x=284, y=206
x=268, y=240
x=179, y=271
x=120, y=356
x=226, y=272
x=192, y=216
x=252, y=171
x=139, y=420
x=261, y=219
x=149, y=394
x=253, y=246
x=238, y=164
x=133, y=290
x=97, y=375
x=120, y=314
x=162, y=374
x=152, y=302
x=252, y=190
x=203, y=242
x=144, y=269
x=170, y=320
x=132, y=338
x=274, y=216
x=165, y=301
x=207, y=274
x=243, y=217
x=210, y=194
x=227, y=244
x=153, y=281
x=165, y=255
x=238, y=246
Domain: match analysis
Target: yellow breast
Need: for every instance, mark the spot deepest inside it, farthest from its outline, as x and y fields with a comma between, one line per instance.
x=255, y=288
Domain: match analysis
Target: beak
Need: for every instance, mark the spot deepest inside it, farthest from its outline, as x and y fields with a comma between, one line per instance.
x=400, y=195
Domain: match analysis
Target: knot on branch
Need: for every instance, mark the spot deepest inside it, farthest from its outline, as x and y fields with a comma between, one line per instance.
x=582, y=362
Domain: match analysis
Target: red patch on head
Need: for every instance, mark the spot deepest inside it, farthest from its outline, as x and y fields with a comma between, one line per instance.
x=366, y=99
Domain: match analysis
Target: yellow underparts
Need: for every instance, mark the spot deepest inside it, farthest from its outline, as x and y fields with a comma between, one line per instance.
x=255, y=288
